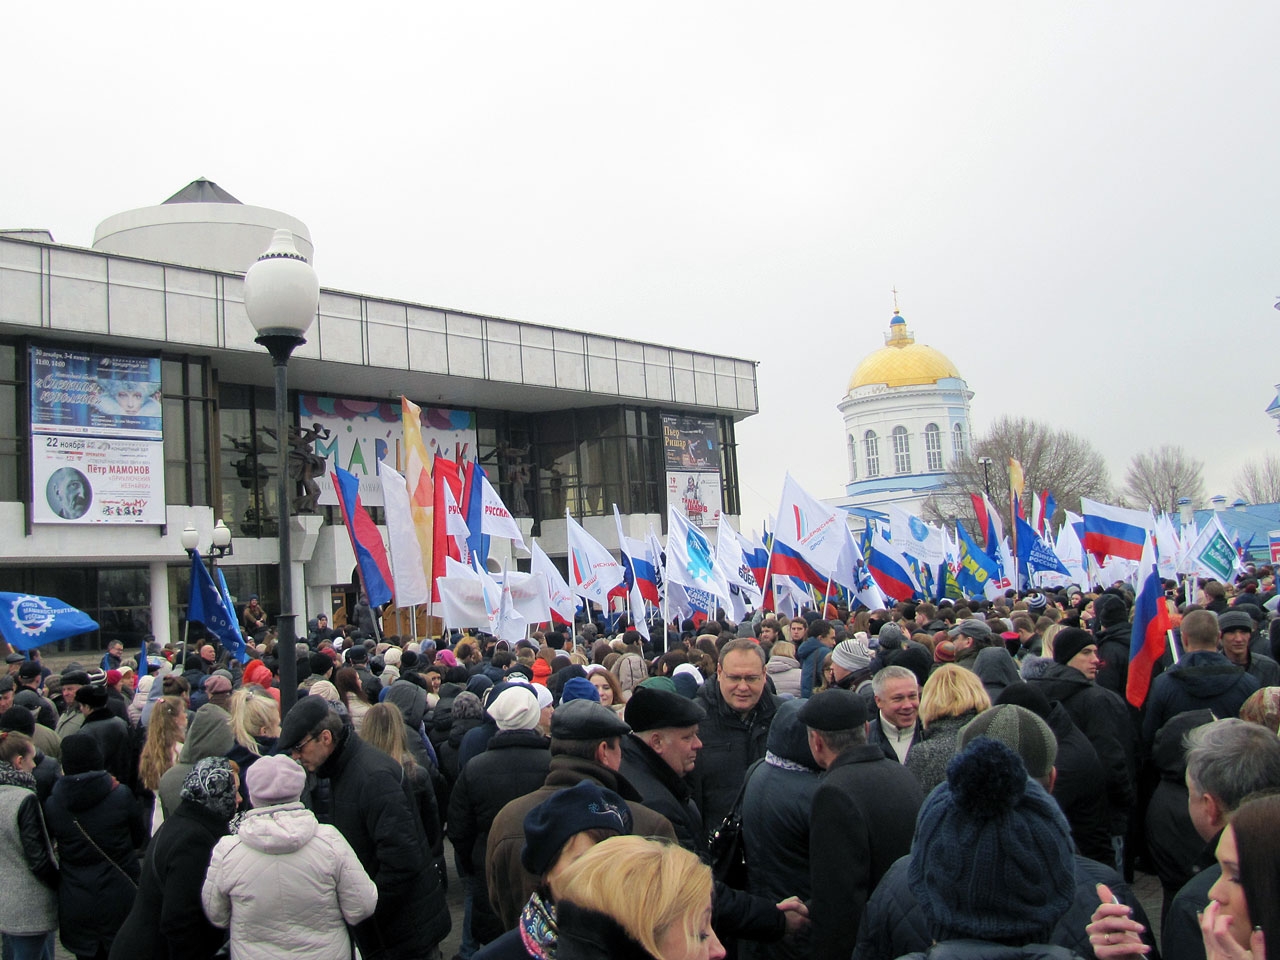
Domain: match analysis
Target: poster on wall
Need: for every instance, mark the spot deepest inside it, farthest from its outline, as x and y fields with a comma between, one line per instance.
x=692, y=452
x=357, y=435
x=97, y=439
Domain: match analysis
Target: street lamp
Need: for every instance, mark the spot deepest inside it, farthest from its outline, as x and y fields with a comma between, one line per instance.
x=281, y=293
x=221, y=548
x=986, y=475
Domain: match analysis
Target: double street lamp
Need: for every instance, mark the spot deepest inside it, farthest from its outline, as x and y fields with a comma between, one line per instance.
x=281, y=294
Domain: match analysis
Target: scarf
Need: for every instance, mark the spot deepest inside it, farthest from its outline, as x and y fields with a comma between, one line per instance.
x=782, y=763
x=211, y=785
x=538, y=928
x=9, y=777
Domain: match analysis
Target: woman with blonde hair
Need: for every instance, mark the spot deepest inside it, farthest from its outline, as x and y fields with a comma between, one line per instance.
x=166, y=733
x=255, y=724
x=952, y=697
x=628, y=898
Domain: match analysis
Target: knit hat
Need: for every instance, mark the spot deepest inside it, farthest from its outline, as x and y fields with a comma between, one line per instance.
x=18, y=720
x=992, y=857
x=891, y=636
x=81, y=754
x=689, y=670
x=1037, y=602
x=659, y=683
x=1020, y=730
x=1109, y=609
x=851, y=655
x=1235, y=620
x=944, y=651
x=515, y=708
x=114, y=677
x=275, y=779
x=551, y=824
x=1067, y=643
x=653, y=709
x=685, y=685
x=326, y=691
x=579, y=688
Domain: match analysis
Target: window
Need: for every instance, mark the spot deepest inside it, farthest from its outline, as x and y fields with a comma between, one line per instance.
x=249, y=456
x=853, y=459
x=871, y=448
x=901, y=451
x=12, y=447
x=933, y=447
x=188, y=410
x=957, y=439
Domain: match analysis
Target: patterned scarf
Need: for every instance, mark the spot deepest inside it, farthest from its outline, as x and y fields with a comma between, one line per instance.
x=211, y=785
x=538, y=928
x=9, y=777
x=782, y=763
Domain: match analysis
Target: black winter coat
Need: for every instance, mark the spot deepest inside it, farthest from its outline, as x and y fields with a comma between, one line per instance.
x=95, y=894
x=864, y=815
x=1173, y=842
x=1079, y=771
x=1203, y=680
x=1113, y=651
x=895, y=924
x=588, y=935
x=47, y=772
x=661, y=790
x=167, y=921
x=116, y=745
x=372, y=804
x=730, y=744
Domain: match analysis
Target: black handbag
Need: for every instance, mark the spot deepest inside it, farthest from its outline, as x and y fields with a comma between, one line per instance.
x=726, y=848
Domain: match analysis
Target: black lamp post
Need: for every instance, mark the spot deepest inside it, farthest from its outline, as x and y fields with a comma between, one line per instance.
x=281, y=293
x=986, y=474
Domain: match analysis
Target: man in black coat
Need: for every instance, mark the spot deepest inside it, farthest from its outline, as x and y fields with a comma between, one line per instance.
x=111, y=733
x=735, y=731
x=862, y=819
x=1113, y=633
x=371, y=803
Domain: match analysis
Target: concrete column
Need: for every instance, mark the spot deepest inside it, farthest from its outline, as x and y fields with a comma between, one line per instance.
x=297, y=574
x=159, y=575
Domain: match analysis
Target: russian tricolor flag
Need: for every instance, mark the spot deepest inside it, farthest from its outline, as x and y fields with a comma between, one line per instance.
x=1150, y=625
x=889, y=570
x=787, y=562
x=1113, y=531
x=371, y=555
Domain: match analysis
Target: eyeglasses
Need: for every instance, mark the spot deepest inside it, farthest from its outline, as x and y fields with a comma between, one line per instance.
x=735, y=679
x=297, y=747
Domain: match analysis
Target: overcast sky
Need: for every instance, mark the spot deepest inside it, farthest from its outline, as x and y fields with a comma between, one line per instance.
x=1077, y=202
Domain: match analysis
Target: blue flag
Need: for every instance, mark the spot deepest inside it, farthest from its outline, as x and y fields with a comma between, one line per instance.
x=976, y=568
x=27, y=621
x=1034, y=554
x=210, y=606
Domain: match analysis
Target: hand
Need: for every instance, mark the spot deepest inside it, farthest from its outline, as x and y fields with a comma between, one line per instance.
x=796, y=914
x=1112, y=932
x=1220, y=943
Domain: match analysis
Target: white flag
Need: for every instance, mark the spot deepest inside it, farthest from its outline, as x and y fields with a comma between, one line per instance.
x=635, y=603
x=510, y=624
x=455, y=525
x=495, y=518
x=915, y=538
x=810, y=528
x=592, y=570
x=462, y=594
x=529, y=595
x=406, y=553
x=559, y=596
x=1071, y=551
x=731, y=562
x=689, y=558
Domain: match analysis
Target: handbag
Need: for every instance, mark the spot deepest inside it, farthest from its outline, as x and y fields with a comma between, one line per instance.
x=726, y=848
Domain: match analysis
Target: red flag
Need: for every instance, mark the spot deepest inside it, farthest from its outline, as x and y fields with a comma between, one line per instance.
x=442, y=471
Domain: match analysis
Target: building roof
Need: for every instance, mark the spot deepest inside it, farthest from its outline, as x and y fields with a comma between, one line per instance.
x=902, y=362
x=202, y=191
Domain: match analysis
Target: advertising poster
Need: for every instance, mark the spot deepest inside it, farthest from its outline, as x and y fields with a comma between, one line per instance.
x=358, y=434
x=692, y=448
x=97, y=441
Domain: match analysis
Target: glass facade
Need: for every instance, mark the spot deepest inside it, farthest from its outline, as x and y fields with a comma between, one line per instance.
x=12, y=420
x=247, y=466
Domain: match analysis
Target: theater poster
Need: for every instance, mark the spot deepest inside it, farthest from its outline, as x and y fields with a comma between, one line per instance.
x=692, y=449
x=358, y=434
x=97, y=438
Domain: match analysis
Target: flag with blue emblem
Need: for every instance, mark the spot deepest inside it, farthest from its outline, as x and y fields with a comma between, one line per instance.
x=27, y=621
x=690, y=560
x=213, y=608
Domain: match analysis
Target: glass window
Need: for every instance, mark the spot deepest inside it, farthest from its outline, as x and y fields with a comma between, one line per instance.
x=933, y=447
x=12, y=447
x=957, y=439
x=901, y=451
x=871, y=449
x=853, y=459
x=246, y=425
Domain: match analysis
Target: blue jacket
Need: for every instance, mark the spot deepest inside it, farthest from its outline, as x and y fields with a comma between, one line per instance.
x=809, y=664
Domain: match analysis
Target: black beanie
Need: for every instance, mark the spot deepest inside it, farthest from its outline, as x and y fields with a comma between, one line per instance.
x=18, y=720
x=1110, y=609
x=81, y=754
x=1067, y=643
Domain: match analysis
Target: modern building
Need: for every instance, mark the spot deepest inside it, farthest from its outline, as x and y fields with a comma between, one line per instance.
x=906, y=417
x=134, y=401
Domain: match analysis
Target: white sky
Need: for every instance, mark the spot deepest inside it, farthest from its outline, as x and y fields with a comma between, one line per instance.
x=1076, y=202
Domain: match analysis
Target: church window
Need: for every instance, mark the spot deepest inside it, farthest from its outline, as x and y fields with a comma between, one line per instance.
x=871, y=446
x=853, y=458
x=933, y=447
x=901, y=451
x=957, y=440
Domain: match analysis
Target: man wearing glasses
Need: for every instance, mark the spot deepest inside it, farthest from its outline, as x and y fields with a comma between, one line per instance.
x=739, y=713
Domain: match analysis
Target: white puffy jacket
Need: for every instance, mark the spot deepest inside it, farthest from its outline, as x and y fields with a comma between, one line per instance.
x=287, y=885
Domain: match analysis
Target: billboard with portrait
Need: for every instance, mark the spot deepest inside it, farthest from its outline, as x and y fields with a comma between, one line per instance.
x=358, y=434
x=692, y=453
x=97, y=437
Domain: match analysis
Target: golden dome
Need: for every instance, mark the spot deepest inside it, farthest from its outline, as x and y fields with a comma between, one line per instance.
x=902, y=362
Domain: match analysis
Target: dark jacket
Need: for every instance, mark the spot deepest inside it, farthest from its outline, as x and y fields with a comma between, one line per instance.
x=1180, y=929
x=864, y=814
x=1173, y=842
x=95, y=894
x=588, y=935
x=1203, y=680
x=167, y=921
x=1113, y=651
x=730, y=744
x=47, y=772
x=1263, y=669
x=372, y=805
x=877, y=738
x=809, y=654
x=1103, y=717
x=116, y=745
x=1079, y=771
x=986, y=950
x=895, y=924
x=662, y=790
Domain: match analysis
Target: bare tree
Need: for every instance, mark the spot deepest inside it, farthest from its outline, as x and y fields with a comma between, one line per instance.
x=1059, y=461
x=1160, y=477
x=1259, y=480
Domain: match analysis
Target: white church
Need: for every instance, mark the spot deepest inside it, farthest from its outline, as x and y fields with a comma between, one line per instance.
x=906, y=417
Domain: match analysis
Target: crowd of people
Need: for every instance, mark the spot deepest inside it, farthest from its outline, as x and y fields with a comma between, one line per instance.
x=954, y=780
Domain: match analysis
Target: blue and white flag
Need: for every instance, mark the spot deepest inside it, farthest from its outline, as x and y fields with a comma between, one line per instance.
x=213, y=608
x=690, y=561
x=1034, y=554
x=27, y=621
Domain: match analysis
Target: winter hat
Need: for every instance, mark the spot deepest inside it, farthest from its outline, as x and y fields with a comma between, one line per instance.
x=275, y=779
x=326, y=691
x=1037, y=602
x=81, y=754
x=579, y=688
x=479, y=684
x=519, y=670
x=392, y=657
x=551, y=824
x=29, y=670
x=651, y=708
x=1020, y=730
x=685, y=685
x=78, y=677
x=1235, y=620
x=214, y=685
x=689, y=670
x=1109, y=609
x=992, y=857
x=974, y=629
x=515, y=708
x=944, y=651
x=447, y=658
x=1067, y=643
x=94, y=696
x=788, y=742
x=467, y=706
x=18, y=720
x=891, y=636
x=852, y=655
x=659, y=683
x=114, y=677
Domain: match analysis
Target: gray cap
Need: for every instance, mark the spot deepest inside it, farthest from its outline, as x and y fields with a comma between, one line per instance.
x=1235, y=620
x=586, y=720
x=976, y=629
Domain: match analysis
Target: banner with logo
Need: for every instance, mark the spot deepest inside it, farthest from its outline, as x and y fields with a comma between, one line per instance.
x=97, y=438
x=357, y=434
x=28, y=621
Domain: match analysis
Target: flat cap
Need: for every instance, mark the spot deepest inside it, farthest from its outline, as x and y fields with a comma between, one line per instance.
x=586, y=720
x=14, y=657
x=303, y=717
x=977, y=629
x=1235, y=620
x=834, y=710
x=653, y=709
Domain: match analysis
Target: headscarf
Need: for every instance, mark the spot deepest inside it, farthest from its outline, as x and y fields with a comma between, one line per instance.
x=12, y=777
x=467, y=706
x=211, y=785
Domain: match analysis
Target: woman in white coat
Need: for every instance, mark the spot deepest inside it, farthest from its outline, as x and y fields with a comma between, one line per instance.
x=286, y=884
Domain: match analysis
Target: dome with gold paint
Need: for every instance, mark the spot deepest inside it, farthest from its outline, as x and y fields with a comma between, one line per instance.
x=902, y=362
